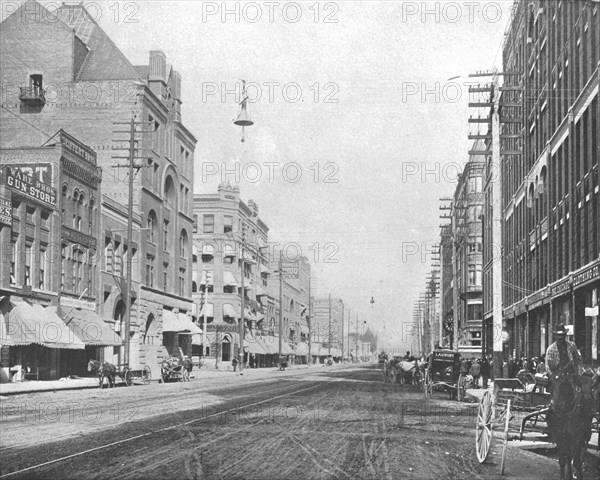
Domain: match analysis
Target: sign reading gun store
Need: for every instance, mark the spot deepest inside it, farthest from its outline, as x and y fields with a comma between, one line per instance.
x=19, y=181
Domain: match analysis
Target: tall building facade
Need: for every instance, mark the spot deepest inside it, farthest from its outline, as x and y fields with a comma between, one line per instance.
x=467, y=291
x=551, y=230
x=61, y=71
x=327, y=325
x=231, y=241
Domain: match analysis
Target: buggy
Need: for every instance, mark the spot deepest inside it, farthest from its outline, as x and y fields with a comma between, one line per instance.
x=443, y=374
x=176, y=369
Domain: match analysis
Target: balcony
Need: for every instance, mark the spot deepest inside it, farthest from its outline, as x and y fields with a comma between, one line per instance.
x=33, y=95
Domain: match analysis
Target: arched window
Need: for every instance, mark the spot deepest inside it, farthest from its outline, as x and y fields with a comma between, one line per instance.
x=170, y=193
x=77, y=277
x=63, y=204
x=91, y=216
x=151, y=226
x=194, y=287
x=183, y=244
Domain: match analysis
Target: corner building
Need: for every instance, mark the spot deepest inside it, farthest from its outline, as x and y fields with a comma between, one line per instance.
x=61, y=70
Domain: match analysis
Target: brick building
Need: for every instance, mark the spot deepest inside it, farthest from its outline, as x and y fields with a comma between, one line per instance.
x=551, y=230
x=60, y=70
x=226, y=229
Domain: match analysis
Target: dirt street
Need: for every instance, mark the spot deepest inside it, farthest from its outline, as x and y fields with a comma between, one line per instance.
x=315, y=424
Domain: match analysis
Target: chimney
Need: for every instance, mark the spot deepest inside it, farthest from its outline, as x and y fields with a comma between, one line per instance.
x=158, y=66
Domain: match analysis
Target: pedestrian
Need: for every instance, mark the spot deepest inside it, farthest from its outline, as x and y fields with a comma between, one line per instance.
x=485, y=371
x=475, y=372
x=234, y=362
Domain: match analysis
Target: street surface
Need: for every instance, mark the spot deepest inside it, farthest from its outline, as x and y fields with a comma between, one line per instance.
x=318, y=423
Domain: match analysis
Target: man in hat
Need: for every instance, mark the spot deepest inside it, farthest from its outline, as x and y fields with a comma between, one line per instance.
x=562, y=356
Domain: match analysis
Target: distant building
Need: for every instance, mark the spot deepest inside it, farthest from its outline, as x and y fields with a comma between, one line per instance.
x=327, y=325
x=227, y=230
x=467, y=290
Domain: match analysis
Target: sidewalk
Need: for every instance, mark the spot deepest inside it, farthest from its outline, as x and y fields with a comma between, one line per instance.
x=206, y=372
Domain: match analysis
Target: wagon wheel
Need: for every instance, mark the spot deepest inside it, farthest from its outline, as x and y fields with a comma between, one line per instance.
x=505, y=442
x=484, y=428
x=128, y=377
x=146, y=375
x=461, y=391
x=164, y=375
x=428, y=386
x=185, y=375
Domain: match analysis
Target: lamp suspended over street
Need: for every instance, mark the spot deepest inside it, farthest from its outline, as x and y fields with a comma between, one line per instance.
x=243, y=120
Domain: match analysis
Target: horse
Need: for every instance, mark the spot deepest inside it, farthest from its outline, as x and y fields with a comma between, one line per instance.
x=103, y=370
x=569, y=420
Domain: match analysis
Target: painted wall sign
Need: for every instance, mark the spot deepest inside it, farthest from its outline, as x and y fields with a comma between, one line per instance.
x=30, y=186
x=5, y=212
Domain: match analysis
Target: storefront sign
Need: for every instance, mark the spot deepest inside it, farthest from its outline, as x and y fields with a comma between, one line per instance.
x=29, y=186
x=591, y=311
x=290, y=270
x=560, y=288
x=211, y=327
x=77, y=237
x=39, y=171
x=77, y=148
x=5, y=212
x=589, y=274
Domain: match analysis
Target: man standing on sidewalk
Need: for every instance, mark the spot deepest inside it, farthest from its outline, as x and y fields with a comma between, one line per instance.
x=485, y=370
x=562, y=356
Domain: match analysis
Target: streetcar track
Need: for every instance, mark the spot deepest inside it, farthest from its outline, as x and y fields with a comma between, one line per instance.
x=164, y=429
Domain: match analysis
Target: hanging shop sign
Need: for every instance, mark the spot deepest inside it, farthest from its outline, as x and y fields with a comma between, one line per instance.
x=5, y=212
x=29, y=186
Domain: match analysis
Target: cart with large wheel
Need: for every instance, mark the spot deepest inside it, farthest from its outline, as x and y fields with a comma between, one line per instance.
x=176, y=369
x=511, y=400
x=135, y=375
x=443, y=374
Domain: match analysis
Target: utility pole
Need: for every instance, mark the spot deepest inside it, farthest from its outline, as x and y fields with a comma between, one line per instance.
x=242, y=303
x=329, y=324
x=309, y=320
x=356, y=339
x=341, y=301
x=280, y=307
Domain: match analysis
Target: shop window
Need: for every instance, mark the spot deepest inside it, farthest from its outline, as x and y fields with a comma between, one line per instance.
x=227, y=224
x=209, y=224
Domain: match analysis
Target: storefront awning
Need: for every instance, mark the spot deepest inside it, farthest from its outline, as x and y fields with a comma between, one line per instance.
x=229, y=311
x=88, y=326
x=5, y=338
x=179, y=323
x=229, y=280
x=254, y=346
x=35, y=324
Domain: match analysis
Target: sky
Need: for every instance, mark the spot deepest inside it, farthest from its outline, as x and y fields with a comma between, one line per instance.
x=358, y=131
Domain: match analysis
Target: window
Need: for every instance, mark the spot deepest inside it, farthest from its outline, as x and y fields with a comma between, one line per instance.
x=209, y=224
x=150, y=271
x=183, y=244
x=182, y=282
x=227, y=224
x=166, y=276
x=108, y=254
x=30, y=213
x=14, y=261
x=77, y=270
x=166, y=235
x=91, y=217
x=475, y=311
x=43, y=270
x=63, y=266
x=64, y=203
x=28, y=261
x=474, y=276
x=45, y=219
x=151, y=227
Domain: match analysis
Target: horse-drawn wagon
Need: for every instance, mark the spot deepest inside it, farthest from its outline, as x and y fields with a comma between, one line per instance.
x=176, y=369
x=565, y=417
x=107, y=373
x=443, y=374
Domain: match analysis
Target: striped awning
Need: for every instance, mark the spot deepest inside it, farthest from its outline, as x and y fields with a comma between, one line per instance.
x=178, y=323
x=29, y=324
x=229, y=279
x=88, y=326
x=229, y=311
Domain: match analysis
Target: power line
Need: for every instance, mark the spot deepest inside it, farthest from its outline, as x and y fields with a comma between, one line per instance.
x=28, y=123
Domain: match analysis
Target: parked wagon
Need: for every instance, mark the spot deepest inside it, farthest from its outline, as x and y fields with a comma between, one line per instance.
x=107, y=373
x=443, y=374
x=497, y=410
x=176, y=369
